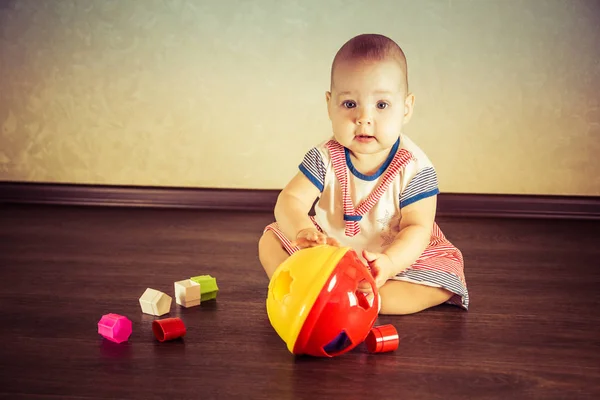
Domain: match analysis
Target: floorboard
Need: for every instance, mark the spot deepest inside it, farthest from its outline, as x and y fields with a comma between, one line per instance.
x=532, y=331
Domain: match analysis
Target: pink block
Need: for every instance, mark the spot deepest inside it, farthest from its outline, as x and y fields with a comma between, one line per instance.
x=114, y=327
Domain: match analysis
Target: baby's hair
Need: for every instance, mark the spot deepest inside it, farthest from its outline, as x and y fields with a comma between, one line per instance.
x=371, y=47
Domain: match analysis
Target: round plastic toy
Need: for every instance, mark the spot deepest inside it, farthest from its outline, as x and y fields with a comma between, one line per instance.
x=314, y=305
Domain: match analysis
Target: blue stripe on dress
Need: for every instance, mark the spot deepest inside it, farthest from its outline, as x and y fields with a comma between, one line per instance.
x=381, y=169
x=446, y=280
x=313, y=167
x=422, y=185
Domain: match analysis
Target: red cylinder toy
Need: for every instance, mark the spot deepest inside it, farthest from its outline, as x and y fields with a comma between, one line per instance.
x=168, y=329
x=382, y=339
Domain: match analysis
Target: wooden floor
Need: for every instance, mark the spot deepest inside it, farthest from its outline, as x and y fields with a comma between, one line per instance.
x=533, y=330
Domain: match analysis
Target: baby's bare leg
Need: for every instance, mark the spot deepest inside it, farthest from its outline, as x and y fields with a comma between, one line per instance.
x=270, y=252
x=401, y=297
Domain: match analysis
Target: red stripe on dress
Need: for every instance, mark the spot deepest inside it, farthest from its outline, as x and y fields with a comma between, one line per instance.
x=441, y=255
x=338, y=159
x=285, y=242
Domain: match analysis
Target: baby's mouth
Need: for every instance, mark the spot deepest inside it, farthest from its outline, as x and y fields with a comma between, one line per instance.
x=364, y=138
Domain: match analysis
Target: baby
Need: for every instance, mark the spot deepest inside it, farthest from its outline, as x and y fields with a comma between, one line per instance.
x=376, y=189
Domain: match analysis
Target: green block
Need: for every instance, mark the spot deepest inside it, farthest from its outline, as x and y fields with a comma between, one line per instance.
x=208, y=287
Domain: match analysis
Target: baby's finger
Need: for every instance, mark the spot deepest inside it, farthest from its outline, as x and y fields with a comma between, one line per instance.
x=370, y=297
x=302, y=243
x=364, y=286
x=333, y=242
x=313, y=243
x=375, y=270
x=316, y=242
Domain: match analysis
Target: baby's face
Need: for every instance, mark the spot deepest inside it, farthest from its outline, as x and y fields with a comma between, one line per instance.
x=368, y=105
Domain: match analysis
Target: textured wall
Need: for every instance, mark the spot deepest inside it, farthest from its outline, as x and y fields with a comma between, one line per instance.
x=231, y=93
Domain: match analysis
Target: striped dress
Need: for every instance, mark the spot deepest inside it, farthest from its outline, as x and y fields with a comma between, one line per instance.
x=363, y=211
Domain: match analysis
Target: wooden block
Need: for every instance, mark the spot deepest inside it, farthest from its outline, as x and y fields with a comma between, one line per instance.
x=192, y=303
x=154, y=302
x=208, y=287
x=187, y=292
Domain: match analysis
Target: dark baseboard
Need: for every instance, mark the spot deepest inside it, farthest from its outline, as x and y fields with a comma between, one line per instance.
x=449, y=204
x=519, y=206
x=137, y=196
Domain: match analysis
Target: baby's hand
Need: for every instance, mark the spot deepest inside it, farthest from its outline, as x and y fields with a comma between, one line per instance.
x=381, y=268
x=312, y=237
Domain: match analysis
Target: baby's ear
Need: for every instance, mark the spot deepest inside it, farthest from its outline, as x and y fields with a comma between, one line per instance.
x=409, y=106
x=328, y=102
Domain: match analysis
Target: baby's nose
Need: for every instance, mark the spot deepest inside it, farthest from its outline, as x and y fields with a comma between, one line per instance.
x=364, y=118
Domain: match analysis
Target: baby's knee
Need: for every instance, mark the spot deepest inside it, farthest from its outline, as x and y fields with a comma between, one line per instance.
x=267, y=241
x=270, y=252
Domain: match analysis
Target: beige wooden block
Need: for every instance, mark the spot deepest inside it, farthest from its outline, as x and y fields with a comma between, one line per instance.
x=187, y=292
x=192, y=303
x=154, y=302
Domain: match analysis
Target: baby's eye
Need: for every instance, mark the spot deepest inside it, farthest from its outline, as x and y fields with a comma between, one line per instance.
x=382, y=105
x=349, y=104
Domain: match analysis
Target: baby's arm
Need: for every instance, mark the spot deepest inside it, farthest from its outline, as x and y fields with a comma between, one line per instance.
x=291, y=213
x=414, y=236
x=416, y=225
